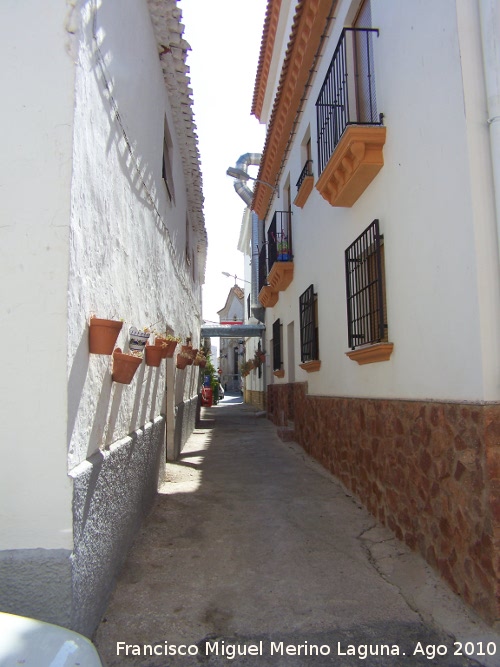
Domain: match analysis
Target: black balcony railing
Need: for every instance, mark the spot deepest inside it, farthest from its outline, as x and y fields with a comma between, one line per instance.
x=278, y=247
x=279, y=242
x=347, y=95
x=307, y=171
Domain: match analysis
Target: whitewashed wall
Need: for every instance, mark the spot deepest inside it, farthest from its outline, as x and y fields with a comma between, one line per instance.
x=434, y=200
x=128, y=259
x=90, y=231
x=35, y=176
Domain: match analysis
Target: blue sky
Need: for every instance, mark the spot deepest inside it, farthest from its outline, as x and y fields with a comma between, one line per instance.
x=225, y=39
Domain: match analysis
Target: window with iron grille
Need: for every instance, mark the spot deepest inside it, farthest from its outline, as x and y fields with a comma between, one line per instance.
x=308, y=325
x=347, y=96
x=365, y=286
x=277, y=345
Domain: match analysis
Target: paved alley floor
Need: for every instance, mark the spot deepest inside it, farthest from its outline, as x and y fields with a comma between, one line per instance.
x=253, y=555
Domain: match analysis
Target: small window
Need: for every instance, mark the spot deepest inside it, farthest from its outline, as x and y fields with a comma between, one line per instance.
x=365, y=286
x=167, y=173
x=188, y=244
x=277, y=363
x=308, y=311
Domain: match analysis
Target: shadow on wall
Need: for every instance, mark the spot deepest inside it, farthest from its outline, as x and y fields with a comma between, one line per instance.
x=113, y=492
x=137, y=172
x=142, y=178
x=107, y=408
x=76, y=382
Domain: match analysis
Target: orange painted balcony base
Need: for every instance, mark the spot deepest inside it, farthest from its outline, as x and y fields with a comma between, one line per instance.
x=267, y=297
x=371, y=353
x=311, y=366
x=355, y=162
x=304, y=192
x=280, y=276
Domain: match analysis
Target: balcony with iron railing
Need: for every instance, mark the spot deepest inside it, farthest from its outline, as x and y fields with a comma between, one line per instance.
x=276, y=259
x=304, y=184
x=349, y=128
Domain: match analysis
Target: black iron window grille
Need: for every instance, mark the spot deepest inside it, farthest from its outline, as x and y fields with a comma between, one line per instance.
x=308, y=325
x=365, y=286
x=279, y=239
x=306, y=171
x=347, y=95
x=277, y=345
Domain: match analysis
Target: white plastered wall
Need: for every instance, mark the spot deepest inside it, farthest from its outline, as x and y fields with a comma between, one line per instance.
x=434, y=200
x=128, y=241
x=35, y=176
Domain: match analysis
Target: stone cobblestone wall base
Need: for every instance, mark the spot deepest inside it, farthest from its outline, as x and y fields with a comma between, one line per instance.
x=430, y=471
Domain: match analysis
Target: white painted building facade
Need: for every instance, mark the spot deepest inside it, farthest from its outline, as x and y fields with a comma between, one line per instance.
x=254, y=383
x=428, y=174
x=230, y=354
x=102, y=194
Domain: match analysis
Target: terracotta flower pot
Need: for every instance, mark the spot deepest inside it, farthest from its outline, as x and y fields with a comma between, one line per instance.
x=181, y=361
x=103, y=335
x=154, y=355
x=124, y=366
x=167, y=347
x=189, y=353
x=192, y=356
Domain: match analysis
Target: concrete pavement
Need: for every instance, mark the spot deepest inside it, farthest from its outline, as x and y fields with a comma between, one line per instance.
x=254, y=555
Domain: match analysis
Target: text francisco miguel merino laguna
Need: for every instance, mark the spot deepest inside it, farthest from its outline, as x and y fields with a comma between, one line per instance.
x=230, y=651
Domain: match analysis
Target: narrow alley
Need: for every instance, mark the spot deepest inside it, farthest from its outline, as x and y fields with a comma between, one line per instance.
x=254, y=555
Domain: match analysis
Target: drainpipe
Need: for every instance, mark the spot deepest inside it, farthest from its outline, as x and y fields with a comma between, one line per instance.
x=489, y=17
x=489, y=12
x=246, y=194
x=256, y=307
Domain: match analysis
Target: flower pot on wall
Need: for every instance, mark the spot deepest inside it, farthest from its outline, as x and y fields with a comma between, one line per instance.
x=181, y=361
x=103, y=335
x=154, y=355
x=138, y=339
x=167, y=347
x=192, y=356
x=124, y=366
